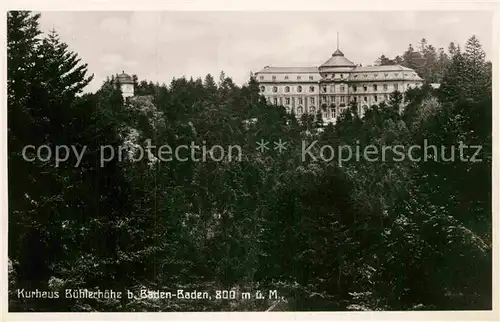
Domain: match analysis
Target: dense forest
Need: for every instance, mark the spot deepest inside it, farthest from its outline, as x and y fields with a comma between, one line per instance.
x=430, y=63
x=386, y=235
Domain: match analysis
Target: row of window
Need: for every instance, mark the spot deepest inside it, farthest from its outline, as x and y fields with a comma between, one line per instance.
x=287, y=89
x=385, y=75
x=300, y=110
x=327, y=113
x=287, y=77
x=300, y=101
x=353, y=98
x=342, y=76
x=375, y=88
x=342, y=99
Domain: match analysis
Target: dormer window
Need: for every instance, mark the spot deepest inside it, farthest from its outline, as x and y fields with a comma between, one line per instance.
x=274, y=78
x=275, y=89
x=299, y=89
x=333, y=75
x=286, y=77
x=261, y=77
x=365, y=88
x=311, y=78
x=341, y=75
x=386, y=74
x=324, y=89
x=311, y=88
x=287, y=89
x=299, y=78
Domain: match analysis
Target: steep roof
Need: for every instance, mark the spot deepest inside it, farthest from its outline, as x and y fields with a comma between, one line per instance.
x=386, y=72
x=124, y=78
x=381, y=68
x=288, y=70
x=338, y=60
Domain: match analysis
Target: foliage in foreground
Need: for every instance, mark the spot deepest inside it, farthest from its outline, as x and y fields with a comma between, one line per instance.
x=362, y=236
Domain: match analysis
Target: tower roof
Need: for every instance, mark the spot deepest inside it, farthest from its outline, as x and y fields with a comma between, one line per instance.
x=338, y=60
x=124, y=78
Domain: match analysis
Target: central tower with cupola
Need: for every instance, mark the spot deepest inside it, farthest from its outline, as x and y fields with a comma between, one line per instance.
x=333, y=86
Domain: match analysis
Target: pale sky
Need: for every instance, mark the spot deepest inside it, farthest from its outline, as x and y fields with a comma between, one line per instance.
x=158, y=46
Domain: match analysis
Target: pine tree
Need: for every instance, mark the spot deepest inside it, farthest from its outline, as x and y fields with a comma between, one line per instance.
x=51, y=208
x=57, y=59
x=476, y=67
x=453, y=49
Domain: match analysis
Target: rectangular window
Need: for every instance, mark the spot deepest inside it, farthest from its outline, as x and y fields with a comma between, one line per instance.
x=287, y=100
x=332, y=89
x=385, y=87
x=365, y=88
x=299, y=78
x=274, y=78
x=375, y=98
x=261, y=77
x=311, y=100
x=281, y=100
x=354, y=88
x=286, y=77
x=275, y=101
x=300, y=100
x=374, y=88
x=341, y=88
x=365, y=99
x=342, y=99
x=395, y=87
x=311, y=78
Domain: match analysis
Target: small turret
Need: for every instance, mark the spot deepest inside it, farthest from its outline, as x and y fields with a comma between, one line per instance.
x=126, y=83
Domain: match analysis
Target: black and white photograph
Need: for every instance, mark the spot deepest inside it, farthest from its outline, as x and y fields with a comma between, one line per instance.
x=249, y=161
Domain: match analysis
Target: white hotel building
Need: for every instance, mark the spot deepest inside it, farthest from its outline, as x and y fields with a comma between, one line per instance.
x=333, y=85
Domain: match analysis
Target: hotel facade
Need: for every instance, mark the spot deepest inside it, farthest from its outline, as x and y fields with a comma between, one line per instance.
x=331, y=87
